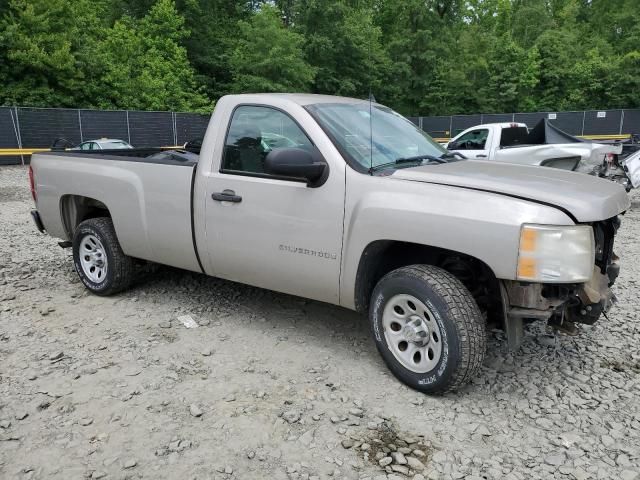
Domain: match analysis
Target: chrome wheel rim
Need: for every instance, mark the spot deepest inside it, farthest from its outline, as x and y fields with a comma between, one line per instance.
x=412, y=333
x=93, y=258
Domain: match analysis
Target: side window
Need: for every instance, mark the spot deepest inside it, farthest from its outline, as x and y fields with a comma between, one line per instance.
x=254, y=132
x=84, y=146
x=93, y=146
x=473, y=140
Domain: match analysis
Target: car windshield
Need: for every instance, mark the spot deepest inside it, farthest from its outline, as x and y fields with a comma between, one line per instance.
x=114, y=144
x=394, y=138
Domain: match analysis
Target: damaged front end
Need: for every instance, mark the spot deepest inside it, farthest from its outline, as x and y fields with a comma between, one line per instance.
x=564, y=304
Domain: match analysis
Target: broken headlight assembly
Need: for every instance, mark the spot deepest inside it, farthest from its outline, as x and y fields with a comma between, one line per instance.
x=557, y=254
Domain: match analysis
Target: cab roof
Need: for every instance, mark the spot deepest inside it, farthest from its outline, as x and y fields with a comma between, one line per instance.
x=303, y=98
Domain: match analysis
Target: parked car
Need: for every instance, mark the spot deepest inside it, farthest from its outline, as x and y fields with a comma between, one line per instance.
x=103, y=144
x=544, y=145
x=366, y=211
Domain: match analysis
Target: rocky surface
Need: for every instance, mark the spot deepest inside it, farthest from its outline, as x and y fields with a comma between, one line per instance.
x=276, y=387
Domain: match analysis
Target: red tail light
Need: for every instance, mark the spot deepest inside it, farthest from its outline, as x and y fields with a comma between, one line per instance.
x=32, y=185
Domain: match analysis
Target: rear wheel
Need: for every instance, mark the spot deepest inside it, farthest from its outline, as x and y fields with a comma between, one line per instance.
x=428, y=328
x=98, y=258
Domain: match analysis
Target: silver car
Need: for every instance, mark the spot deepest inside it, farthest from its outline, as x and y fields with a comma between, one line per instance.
x=103, y=144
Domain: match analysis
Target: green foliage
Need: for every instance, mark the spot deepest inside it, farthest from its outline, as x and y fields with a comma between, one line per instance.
x=417, y=56
x=41, y=44
x=145, y=65
x=269, y=57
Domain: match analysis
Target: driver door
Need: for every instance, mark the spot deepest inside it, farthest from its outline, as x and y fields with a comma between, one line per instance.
x=271, y=232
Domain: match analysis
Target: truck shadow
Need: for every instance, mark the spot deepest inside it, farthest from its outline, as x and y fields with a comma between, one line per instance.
x=317, y=323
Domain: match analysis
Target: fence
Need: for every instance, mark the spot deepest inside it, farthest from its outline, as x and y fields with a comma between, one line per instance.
x=34, y=128
x=38, y=127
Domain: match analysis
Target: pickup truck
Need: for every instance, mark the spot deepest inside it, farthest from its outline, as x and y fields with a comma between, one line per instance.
x=345, y=201
x=545, y=145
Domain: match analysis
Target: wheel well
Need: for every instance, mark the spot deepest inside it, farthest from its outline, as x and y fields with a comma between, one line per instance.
x=75, y=209
x=382, y=256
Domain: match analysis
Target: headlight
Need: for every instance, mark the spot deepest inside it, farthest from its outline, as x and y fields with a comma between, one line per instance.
x=556, y=254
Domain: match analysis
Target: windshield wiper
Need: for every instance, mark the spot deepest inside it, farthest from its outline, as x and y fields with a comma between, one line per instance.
x=415, y=159
x=453, y=155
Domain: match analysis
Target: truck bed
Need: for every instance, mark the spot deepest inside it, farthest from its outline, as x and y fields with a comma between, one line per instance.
x=148, y=192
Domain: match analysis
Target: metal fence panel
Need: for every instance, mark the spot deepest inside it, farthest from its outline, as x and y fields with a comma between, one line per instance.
x=496, y=117
x=570, y=122
x=190, y=126
x=462, y=122
x=437, y=127
x=530, y=119
x=151, y=129
x=104, y=124
x=8, y=136
x=603, y=122
x=631, y=121
x=414, y=120
x=39, y=127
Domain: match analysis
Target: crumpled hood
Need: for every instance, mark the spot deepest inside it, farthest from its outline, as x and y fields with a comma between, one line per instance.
x=586, y=197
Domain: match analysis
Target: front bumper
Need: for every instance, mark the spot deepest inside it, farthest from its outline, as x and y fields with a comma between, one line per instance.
x=37, y=220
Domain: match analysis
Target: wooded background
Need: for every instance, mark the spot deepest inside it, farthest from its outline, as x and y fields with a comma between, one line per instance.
x=420, y=57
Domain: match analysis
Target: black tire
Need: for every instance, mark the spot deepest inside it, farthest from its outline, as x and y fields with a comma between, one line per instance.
x=120, y=267
x=462, y=326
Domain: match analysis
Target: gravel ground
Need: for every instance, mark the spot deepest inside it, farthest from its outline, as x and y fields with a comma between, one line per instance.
x=275, y=387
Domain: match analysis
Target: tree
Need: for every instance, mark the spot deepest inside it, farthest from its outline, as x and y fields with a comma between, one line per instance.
x=214, y=36
x=342, y=42
x=45, y=46
x=420, y=57
x=145, y=66
x=513, y=73
x=269, y=57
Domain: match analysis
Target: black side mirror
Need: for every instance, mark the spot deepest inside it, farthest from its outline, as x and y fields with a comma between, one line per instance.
x=452, y=146
x=297, y=164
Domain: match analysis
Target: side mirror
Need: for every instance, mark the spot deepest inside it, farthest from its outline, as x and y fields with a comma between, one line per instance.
x=452, y=146
x=297, y=164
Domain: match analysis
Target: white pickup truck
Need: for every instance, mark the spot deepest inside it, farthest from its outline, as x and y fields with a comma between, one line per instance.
x=545, y=145
x=347, y=202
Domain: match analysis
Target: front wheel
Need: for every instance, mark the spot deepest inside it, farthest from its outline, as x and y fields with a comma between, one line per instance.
x=428, y=328
x=98, y=258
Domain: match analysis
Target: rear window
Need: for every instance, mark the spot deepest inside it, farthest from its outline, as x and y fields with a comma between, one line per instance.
x=514, y=136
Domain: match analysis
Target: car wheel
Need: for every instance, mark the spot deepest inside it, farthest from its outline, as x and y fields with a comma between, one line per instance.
x=98, y=258
x=428, y=328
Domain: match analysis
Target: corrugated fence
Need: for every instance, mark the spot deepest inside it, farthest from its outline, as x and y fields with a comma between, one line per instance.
x=29, y=128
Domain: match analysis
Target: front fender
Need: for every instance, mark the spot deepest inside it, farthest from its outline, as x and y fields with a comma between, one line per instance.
x=480, y=224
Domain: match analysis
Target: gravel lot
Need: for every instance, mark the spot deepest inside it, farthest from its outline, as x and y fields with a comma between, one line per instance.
x=275, y=387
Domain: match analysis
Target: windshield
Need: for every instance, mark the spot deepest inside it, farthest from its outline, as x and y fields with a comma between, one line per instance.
x=394, y=137
x=114, y=144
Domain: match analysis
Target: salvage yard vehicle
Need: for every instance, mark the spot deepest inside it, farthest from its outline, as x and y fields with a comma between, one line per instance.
x=357, y=208
x=544, y=145
x=103, y=144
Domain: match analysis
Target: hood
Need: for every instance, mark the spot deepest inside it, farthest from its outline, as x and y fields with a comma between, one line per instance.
x=585, y=197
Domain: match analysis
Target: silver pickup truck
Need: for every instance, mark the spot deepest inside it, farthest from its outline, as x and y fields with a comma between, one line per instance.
x=347, y=202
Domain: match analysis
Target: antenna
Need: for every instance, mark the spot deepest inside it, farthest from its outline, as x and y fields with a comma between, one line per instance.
x=371, y=100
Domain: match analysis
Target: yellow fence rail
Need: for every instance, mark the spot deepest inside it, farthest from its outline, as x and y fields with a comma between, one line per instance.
x=586, y=137
x=13, y=152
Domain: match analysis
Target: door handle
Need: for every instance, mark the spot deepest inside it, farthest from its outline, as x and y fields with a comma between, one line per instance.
x=481, y=156
x=226, y=196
